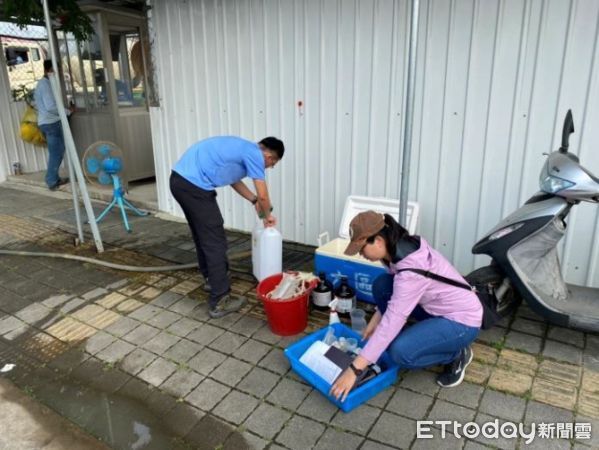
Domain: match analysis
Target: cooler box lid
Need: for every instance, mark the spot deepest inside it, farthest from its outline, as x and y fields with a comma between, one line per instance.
x=355, y=204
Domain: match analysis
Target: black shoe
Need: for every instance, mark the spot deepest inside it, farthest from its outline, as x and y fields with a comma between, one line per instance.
x=454, y=372
x=59, y=183
x=226, y=305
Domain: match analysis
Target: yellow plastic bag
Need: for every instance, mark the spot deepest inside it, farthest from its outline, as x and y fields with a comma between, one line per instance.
x=29, y=131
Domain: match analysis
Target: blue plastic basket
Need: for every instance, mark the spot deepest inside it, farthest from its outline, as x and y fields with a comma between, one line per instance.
x=358, y=395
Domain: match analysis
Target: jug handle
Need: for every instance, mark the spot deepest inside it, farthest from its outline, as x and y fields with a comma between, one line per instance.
x=323, y=238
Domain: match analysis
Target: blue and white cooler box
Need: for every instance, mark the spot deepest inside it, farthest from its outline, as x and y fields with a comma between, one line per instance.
x=360, y=272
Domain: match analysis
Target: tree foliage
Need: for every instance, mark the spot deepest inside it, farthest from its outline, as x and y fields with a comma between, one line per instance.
x=66, y=13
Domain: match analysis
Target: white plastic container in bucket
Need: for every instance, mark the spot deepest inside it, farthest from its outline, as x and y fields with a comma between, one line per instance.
x=267, y=251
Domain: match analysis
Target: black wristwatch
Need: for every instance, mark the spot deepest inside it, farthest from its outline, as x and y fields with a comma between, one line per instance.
x=255, y=200
x=355, y=370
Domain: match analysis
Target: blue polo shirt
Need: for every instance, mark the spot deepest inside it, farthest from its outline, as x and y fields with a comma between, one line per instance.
x=221, y=161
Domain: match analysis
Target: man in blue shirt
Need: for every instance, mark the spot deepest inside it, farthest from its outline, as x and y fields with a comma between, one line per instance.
x=206, y=165
x=48, y=121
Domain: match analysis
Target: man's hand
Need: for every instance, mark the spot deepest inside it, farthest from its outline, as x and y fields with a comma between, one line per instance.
x=343, y=385
x=270, y=221
x=263, y=199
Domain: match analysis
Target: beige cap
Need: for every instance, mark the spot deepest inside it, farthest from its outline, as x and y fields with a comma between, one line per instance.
x=363, y=226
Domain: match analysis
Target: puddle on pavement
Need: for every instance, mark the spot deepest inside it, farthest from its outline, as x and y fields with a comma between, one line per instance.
x=116, y=419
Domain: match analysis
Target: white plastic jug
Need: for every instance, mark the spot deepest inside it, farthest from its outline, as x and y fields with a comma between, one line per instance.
x=267, y=251
x=256, y=233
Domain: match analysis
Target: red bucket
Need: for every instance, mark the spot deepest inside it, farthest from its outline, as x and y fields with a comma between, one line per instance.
x=285, y=317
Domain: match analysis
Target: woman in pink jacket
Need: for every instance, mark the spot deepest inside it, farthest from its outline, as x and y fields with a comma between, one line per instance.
x=448, y=318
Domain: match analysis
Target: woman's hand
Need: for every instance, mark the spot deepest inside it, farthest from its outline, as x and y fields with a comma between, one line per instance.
x=374, y=322
x=343, y=385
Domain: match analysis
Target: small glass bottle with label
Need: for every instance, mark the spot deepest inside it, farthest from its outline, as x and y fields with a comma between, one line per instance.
x=346, y=297
x=322, y=294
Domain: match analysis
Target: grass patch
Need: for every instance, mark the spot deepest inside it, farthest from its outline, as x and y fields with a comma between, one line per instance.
x=500, y=345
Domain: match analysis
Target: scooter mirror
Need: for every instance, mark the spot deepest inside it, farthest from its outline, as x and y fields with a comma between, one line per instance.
x=566, y=131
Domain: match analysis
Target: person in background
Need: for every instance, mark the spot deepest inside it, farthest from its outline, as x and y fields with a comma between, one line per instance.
x=206, y=165
x=48, y=122
x=448, y=318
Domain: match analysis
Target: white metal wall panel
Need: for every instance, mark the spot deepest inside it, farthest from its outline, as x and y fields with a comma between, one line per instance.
x=12, y=148
x=248, y=64
x=494, y=80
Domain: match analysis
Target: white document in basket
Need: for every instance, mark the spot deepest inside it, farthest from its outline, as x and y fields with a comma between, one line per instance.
x=314, y=359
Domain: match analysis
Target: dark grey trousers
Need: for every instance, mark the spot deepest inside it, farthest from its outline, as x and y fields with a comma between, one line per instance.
x=206, y=224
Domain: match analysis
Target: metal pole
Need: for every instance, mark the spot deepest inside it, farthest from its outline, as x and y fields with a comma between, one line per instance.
x=54, y=55
x=409, y=116
x=72, y=158
x=75, y=197
x=54, y=59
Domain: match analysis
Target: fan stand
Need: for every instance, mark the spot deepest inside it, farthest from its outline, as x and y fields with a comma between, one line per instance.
x=119, y=198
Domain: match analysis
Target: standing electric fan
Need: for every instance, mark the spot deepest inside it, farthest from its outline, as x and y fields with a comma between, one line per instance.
x=103, y=166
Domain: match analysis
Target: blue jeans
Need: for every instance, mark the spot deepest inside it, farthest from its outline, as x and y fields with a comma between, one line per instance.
x=55, y=139
x=432, y=340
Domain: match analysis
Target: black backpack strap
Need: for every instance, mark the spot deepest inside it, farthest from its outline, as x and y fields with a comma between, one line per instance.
x=434, y=276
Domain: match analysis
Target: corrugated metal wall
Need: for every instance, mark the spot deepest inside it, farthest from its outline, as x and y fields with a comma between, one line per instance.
x=12, y=148
x=494, y=80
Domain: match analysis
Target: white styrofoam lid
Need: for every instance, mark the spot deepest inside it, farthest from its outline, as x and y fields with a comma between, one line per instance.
x=355, y=204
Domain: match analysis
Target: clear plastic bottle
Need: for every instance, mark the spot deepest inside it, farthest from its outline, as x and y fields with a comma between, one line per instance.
x=358, y=320
x=333, y=316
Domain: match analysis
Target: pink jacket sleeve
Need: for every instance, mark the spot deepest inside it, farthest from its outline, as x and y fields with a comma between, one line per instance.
x=408, y=289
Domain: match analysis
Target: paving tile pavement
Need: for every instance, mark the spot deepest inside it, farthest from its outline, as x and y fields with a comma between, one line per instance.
x=157, y=371
x=503, y=405
x=231, y=371
x=183, y=351
x=258, y=382
x=289, y=394
x=359, y=421
x=136, y=361
x=267, y=420
x=393, y=430
x=410, y=404
x=236, y=407
x=334, y=439
x=181, y=382
x=150, y=336
x=300, y=433
x=207, y=394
